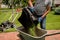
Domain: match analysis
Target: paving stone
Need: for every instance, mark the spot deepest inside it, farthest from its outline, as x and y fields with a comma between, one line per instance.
x=13, y=35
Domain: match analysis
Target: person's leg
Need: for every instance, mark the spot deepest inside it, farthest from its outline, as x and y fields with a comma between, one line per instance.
x=43, y=23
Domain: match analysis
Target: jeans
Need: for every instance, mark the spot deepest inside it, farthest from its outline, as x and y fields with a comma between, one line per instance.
x=42, y=23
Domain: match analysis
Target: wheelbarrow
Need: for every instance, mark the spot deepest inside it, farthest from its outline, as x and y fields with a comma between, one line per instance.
x=27, y=21
x=26, y=36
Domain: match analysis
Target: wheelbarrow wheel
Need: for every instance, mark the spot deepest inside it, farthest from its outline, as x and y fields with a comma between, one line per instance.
x=21, y=37
x=12, y=26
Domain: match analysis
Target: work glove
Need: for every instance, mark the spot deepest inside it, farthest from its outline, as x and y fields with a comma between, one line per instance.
x=39, y=19
x=31, y=9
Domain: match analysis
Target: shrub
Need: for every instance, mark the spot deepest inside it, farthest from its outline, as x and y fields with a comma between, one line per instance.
x=57, y=10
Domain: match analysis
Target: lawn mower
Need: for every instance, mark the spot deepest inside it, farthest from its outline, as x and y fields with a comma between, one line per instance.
x=7, y=24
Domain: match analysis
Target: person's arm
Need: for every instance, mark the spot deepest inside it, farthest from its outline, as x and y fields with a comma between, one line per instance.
x=48, y=4
x=30, y=4
x=46, y=12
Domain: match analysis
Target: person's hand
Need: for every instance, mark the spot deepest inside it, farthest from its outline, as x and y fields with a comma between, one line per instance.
x=31, y=9
x=39, y=19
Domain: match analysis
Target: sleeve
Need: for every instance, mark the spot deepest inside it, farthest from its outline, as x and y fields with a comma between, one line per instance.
x=48, y=3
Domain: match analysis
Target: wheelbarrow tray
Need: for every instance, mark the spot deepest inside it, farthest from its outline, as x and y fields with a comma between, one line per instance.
x=26, y=36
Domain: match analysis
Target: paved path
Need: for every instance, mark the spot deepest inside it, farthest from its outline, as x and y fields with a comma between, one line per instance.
x=53, y=37
x=13, y=35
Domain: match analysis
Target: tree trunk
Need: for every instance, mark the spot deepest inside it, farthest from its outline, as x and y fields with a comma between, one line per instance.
x=0, y=3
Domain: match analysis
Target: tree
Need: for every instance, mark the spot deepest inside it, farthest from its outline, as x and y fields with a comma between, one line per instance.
x=24, y=3
x=0, y=3
x=11, y=3
x=21, y=3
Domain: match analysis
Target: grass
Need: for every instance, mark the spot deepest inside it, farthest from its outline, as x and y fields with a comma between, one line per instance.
x=52, y=23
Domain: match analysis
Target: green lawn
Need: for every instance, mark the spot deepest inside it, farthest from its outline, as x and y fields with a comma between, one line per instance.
x=53, y=21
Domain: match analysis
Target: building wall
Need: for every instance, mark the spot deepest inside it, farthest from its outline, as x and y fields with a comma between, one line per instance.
x=56, y=1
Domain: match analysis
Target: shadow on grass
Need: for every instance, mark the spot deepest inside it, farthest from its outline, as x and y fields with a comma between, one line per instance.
x=56, y=13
